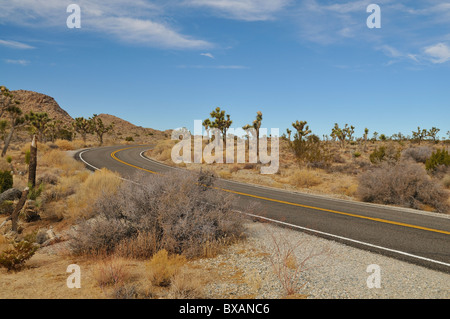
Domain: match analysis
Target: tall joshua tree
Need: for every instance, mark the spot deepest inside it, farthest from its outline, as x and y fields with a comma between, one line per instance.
x=221, y=121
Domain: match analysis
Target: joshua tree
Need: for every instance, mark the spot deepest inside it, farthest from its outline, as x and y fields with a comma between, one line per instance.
x=420, y=134
x=38, y=123
x=342, y=133
x=99, y=128
x=432, y=133
x=16, y=120
x=221, y=121
x=302, y=129
x=207, y=125
x=289, y=132
x=83, y=127
x=6, y=100
x=256, y=125
x=366, y=134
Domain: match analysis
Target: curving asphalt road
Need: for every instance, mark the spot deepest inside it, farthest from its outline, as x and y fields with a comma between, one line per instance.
x=414, y=236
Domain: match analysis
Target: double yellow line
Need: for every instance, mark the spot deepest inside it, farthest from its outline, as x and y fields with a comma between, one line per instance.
x=113, y=155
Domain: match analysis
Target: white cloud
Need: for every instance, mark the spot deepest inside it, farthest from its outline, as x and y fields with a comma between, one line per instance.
x=248, y=10
x=20, y=62
x=15, y=45
x=438, y=53
x=140, y=21
x=142, y=31
x=224, y=67
x=209, y=55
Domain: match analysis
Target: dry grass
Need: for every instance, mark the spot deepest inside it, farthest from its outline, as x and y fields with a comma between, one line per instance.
x=162, y=267
x=94, y=186
x=112, y=272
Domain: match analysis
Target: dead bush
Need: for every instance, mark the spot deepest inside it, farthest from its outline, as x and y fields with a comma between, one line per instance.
x=173, y=212
x=405, y=184
x=418, y=154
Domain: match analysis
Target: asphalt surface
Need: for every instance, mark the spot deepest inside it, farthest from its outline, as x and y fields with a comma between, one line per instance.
x=418, y=237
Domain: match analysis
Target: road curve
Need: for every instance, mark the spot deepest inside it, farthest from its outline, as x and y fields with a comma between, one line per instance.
x=414, y=236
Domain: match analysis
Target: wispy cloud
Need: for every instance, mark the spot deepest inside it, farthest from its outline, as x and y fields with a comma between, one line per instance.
x=20, y=62
x=247, y=10
x=209, y=55
x=223, y=67
x=15, y=44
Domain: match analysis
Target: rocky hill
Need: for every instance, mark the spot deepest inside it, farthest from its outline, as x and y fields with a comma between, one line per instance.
x=38, y=102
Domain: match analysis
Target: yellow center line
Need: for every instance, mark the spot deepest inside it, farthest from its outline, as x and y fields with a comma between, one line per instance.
x=113, y=155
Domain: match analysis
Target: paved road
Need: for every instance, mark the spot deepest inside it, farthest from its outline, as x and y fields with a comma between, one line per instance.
x=419, y=237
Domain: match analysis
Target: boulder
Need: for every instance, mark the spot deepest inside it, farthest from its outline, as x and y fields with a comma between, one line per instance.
x=10, y=194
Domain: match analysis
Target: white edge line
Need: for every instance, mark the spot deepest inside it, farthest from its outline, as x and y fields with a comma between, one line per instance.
x=300, y=227
x=346, y=239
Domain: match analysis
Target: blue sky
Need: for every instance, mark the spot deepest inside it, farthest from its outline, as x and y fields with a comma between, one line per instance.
x=164, y=64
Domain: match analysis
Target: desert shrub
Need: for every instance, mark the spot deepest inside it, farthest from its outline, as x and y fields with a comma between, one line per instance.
x=438, y=158
x=111, y=272
x=187, y=284
x=310, y=150
x=419, y=154
x=48, y=178
x=173, y=212
x=163, y=267
x=446, y=181
x=64, y=144
x=406, y=184
x=14, y=258
x=385, y=153
x=129, y=139
x=305, y=178
x=6, y=180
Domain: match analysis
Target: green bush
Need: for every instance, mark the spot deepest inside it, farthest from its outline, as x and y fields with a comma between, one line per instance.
x=27, y=157
x=129, y=139
x=6, y=180
x=439, y=157
x=383, y=153
x=15, y=258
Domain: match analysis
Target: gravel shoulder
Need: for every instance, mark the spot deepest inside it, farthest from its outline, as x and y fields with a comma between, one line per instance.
x=335, y=271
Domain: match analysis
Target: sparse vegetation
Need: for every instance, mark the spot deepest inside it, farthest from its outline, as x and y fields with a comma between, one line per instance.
x=171, y=213
x=404, y=184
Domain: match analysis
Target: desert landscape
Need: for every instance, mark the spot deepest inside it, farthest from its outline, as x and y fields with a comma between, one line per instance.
x=129, y=241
